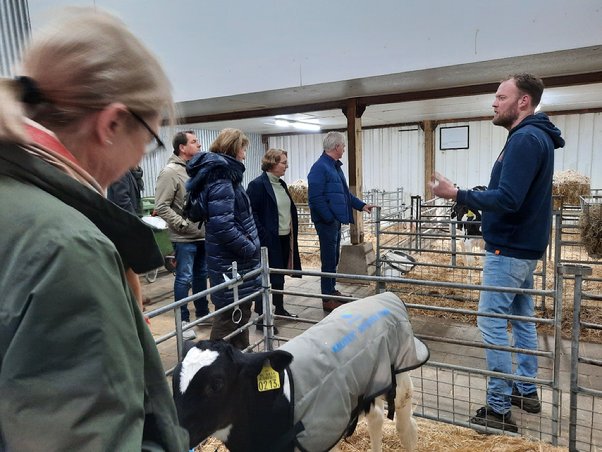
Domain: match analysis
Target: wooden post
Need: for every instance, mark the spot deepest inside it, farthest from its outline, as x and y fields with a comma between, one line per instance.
x=265, y=140
x=429, y=154
x=354, y=112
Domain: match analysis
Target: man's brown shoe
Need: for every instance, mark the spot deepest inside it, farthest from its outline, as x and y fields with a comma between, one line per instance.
x=339, y=294
x=330, y=304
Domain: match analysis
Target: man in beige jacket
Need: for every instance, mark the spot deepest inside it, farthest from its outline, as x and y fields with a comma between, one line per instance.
x=187, y=239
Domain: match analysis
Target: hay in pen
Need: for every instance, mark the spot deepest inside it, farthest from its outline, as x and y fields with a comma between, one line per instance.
x=590, y=224
x=298, y=191
x=432, y=437
x=569, y=185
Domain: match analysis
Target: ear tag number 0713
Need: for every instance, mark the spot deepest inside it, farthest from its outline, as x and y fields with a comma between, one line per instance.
x=268, y=379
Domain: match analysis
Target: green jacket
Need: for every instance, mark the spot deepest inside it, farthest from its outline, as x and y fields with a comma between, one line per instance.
x=79, y=369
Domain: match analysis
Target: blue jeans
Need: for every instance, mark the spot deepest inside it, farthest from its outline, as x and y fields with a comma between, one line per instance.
x=504, y=271
x=191, y=271
x=329, y=235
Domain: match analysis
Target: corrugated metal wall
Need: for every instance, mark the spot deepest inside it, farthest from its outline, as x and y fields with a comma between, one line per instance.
x=583, y=149
x=14, y=31
x=303, y=151
x=393, y=157
x=153, y=163
x=470, y=167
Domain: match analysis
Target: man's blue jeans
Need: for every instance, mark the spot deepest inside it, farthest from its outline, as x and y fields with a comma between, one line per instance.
x=191, y=271
x=329, y=235
x=504, y=271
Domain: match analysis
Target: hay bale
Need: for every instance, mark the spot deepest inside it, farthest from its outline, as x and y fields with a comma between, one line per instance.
x=569, y=185
x=298, y=191
x=591, y=226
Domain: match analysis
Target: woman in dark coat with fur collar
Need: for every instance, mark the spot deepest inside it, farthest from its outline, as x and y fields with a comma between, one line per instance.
x=277, y=223
x=230, y=232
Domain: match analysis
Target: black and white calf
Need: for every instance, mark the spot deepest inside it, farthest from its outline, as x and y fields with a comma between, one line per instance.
x=468, y=227
x=309, y=393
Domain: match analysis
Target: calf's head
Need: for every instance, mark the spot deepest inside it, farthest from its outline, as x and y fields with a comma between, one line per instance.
x=463, y=213
x=214, y=386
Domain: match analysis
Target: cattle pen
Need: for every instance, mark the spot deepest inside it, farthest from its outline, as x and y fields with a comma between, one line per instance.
x=441, y=293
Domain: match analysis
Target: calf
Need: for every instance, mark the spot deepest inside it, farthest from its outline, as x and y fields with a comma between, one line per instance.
x=308, y=394
x=469, y=226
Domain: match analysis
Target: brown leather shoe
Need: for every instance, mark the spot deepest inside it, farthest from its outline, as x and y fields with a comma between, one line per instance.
x=339, y=294
x=330, y=304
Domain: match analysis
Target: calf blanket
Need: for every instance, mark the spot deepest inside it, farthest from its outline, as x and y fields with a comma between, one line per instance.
x=349, y=357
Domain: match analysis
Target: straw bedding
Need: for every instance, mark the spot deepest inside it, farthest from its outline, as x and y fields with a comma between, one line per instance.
x=432, y=437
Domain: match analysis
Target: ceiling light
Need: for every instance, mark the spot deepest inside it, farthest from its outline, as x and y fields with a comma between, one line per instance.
x=300, y=125
x=306, y=126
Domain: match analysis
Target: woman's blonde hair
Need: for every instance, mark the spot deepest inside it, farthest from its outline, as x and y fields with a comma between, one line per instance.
x=229, y=142
x=83, y=61
x=271, y=158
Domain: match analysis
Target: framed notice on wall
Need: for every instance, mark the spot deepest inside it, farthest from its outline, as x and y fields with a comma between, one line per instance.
x=455, y=137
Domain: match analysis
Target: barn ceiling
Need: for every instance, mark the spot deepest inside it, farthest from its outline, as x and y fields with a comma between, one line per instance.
x=573, y=79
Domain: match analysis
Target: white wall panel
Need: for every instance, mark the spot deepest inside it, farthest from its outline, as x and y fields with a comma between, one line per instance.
x=14, y=30
x=303, y=151
x=470, y=167
x=391, y=158
x=153, y=163
x=394, y=158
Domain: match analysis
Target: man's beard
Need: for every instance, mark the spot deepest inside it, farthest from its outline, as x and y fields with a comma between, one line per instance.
x=507, y=119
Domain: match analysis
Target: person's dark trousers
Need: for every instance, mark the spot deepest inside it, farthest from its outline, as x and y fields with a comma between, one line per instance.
x=191, y=272
x=224, y=325
x=277, y=281
x=329, y=235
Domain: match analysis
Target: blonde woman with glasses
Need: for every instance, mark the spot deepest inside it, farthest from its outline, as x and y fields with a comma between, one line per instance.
x=79, y=367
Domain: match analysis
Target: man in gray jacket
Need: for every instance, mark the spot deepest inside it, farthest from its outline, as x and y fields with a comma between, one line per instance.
x=188, y=240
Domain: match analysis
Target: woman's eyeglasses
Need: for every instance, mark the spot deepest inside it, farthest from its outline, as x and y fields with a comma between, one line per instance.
x=153, y=146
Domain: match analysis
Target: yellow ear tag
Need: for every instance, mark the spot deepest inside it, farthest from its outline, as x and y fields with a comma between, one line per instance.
x=268, y=379
x=470, y=214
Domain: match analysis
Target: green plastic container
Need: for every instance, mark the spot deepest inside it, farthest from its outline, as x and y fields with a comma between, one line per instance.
x=159, y=228
x=148, y=205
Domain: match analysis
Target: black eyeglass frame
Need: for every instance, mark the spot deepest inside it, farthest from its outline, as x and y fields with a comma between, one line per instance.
x=138, y=118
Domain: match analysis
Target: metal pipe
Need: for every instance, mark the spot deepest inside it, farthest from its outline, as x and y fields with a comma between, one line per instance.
x=578, y=272
x=268, y=318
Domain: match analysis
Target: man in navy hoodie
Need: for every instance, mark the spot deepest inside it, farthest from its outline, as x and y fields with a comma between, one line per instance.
x=517, y=214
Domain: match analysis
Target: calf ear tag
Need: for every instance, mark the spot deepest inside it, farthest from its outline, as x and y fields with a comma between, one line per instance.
x=268, y=379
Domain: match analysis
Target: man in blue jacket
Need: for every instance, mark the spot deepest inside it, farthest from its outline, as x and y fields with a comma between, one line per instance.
x=331, y=204
x=517, y=214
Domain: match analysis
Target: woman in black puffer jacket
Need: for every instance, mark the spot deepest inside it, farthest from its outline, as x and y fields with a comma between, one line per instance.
x=230, y=232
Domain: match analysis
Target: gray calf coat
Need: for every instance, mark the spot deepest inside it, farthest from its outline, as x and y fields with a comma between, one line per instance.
x=349, y=356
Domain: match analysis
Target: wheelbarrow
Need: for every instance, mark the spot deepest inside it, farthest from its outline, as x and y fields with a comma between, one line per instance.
x=159, y=227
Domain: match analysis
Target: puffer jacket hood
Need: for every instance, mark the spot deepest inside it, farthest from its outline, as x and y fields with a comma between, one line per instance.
x=207, y=167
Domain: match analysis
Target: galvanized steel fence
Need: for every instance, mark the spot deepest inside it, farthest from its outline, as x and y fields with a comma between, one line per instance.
x=449, y=389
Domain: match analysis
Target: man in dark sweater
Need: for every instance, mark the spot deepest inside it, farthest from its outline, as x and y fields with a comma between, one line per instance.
x=517, y=214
